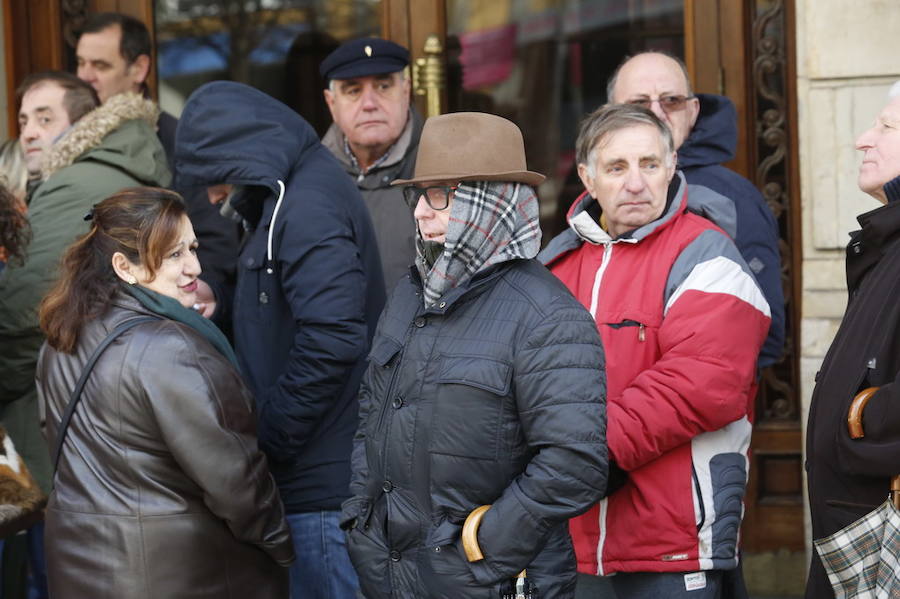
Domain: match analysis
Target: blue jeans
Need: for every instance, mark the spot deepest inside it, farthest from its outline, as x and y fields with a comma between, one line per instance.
x=37, y=574
x=322, y=569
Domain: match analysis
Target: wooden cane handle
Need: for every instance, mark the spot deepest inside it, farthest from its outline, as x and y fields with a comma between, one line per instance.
x=855, y=415
x=895, y=491
x=470, y=533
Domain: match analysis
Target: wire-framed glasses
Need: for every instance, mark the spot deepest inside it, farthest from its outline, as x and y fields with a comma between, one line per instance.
x=671, y=103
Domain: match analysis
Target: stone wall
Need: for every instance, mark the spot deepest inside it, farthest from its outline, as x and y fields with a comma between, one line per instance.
x=846, y=61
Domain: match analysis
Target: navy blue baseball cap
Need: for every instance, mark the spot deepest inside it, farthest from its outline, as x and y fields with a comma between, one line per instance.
x=364, y=57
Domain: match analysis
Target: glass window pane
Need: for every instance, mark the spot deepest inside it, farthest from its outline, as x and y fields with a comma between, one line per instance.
x=544, y=64
x=273, y=45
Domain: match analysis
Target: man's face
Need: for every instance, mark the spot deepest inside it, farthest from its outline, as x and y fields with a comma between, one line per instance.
x=652, y=77
x=881, y=151
x=370, y=111
x=433, y=223
x=42, y=118
x=631, y=177
x=102, y=65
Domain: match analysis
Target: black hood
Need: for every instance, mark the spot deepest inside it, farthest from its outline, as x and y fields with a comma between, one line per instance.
x=714, y=137
x=233, y=133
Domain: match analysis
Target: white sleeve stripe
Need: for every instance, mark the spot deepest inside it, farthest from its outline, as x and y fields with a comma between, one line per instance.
x=721, y=275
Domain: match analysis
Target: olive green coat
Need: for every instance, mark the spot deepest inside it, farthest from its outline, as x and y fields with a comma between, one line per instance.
x=111, y=148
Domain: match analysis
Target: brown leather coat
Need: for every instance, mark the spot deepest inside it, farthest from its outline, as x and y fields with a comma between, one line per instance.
x=161, y=490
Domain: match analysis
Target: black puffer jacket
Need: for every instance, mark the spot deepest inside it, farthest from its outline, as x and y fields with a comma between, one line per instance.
x=496, y=395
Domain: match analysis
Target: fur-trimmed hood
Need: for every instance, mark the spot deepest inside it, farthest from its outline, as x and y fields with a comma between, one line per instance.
x=87, y=134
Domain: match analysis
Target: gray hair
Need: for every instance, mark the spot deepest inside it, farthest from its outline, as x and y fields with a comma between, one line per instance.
x=13, y=172
x=611, y=118
x=611, y=84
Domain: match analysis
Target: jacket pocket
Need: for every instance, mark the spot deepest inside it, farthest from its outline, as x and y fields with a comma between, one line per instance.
x=850, y=506
x=383, y=351
x=468, y=406
x=355, y=512
x=258, y=289
x=445, y=574
x=384, y=357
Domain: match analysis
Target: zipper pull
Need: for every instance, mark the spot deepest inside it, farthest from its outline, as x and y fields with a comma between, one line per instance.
x=641, y=332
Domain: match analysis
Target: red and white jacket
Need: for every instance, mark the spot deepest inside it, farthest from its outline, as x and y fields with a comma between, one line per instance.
x=682, y=321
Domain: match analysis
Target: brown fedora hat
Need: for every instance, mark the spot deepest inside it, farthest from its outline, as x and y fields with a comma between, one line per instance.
x=471, y=146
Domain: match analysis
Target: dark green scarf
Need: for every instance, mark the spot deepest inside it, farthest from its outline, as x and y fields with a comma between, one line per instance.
x=171, y=309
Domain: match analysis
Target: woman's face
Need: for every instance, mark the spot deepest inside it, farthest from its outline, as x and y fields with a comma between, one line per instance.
x=177, y=276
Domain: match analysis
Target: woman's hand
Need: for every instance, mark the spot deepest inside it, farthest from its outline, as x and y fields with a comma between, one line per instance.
x=206, y=299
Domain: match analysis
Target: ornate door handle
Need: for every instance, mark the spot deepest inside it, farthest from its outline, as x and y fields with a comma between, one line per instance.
x=428, y=75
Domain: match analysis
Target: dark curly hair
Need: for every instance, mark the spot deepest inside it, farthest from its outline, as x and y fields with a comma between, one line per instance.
x=14, y=230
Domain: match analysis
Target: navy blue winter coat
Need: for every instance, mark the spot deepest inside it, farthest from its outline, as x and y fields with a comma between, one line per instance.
x=309, y=282
x=712, y=142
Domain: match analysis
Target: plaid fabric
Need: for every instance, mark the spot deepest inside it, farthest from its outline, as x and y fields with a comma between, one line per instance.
x=863, y=559
x=490, y=222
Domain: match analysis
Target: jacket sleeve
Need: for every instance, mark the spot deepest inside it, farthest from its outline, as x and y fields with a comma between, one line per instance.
x=714, y=323
x=757, y=241
x=359, y=462
x=324, y=283
x=560, y=392
x=56, y=215
x=736, y=206
x=204, y=414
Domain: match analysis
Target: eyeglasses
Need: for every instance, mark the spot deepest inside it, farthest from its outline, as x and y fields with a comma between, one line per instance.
x=667, y=103
x=436, y=196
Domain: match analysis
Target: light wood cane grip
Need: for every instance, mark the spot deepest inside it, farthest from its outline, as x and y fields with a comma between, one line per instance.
x=895, y=491
x=855, y=415
x=470, y=534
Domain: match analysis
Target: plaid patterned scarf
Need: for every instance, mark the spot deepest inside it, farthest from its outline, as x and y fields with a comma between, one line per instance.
x=490, y=222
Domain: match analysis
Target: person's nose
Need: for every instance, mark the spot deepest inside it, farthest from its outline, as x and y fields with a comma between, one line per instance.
x=866, y=140
x=192, y=265
x=369, y=98
x=634, y=181
x=86, y=73
x=29, y=132
x=423, y=211
x=657, y=109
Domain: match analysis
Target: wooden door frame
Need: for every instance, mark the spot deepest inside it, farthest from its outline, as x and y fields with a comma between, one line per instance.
x=33, y=42
x=718, y=65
